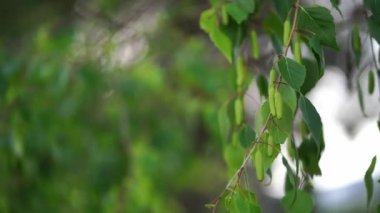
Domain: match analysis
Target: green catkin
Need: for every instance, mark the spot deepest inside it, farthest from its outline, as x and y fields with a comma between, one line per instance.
x=270, y=148
x=258, y=160
x=255, y=45
x=278, y=104
x=297, y=49
x=271, y=98
x=286, y=31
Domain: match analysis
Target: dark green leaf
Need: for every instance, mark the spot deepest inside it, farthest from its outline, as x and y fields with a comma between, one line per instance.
x=356, y=44
x=283, y=7
x=296, y=157
x=374, y=6
x=361, y=98
x=246, y=136
x=335, y=4
x=371, y=82
x=318, y=20
x=302, y=204
x=374, y=28
x=236, y=12
x=293, y=72
x=369, y=181
x=312, y=120
x=312, y=75
x=262, y=84
x=209, y=23
x=291, y=177
x=315, y=47
x=309, y=156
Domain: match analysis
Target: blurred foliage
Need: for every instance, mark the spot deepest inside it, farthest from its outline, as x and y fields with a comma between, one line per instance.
x=81, y=135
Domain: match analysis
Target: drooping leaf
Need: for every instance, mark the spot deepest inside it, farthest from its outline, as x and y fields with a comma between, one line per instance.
x=293, y=72
x=283, y=7
x=312, y=120
x=361, y=98
x=209, y=23
x=315, y=46
x=242, y=200
x=369, y=181
x=236, y=12
x=335, y=4
x=296, y=157
x=374, y=28
x=371, y=82
x=233, y=155
x=292, y=177
x=356, y=44
x=246, y=136
x=309, y=156
x=262, y=85
x=302, y=204
x=319, y=21
x=225, y=119
x=312, y=75
x=280, y=129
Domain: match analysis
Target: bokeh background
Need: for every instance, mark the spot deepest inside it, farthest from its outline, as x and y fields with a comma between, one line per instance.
x=112, y=106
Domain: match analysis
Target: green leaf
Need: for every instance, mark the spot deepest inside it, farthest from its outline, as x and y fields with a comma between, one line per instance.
x=319, y=21
x=312, y=120
x=335, y=4
x=369, y=181
x=312, y=75
x=262, y=85
x=283, y=7
x=302, y=204
x=374, y=6
x=236, y=12
x=356, y=44
x=315, y=46
x=296, y=157
x=282, y=128
x=247, y=5
x=309, y=156
x=242, y=200
x=293, y=72
x=374, y=28
x=288, y=96
x=246, y=136
x=371, y=82
x=361, y=98
x=292, y=177
x=209, y=23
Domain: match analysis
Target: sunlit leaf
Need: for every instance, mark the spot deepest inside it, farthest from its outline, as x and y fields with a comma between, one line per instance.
x=237, y=12
x=302, y=204
x=209, y=23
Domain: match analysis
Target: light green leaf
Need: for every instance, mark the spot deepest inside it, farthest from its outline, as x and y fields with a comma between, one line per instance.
x=293, y=72
x=302, y=204
x=312, y=120
x=209, y=23
x=374, y=28
x=288, y=96
x=236, y=12
x=369, y=181
x=319, y=21
x=356, y=44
